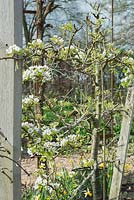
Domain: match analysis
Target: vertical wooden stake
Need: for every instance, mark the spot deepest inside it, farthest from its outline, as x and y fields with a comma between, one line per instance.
x=10, y=101
x=122, y=146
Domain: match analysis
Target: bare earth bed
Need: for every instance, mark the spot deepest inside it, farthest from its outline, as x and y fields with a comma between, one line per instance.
x=31, y=166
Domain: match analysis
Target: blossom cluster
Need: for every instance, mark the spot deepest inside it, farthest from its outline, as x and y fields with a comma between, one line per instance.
x=42, y=181
x=44, y=130
x=30, y=127
x=128, y=71
x=57, y=40
x=29, y=101
x=37, y=73
x=37, y=41
x=48, y=131
x=68, y=139
x=36, y=46
x=13, y=49
x=43, y=135
x=51, y=146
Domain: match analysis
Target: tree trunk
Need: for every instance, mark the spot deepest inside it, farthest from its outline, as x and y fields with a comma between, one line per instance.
x=39, y=19
x=37, y=85
x=95, y=140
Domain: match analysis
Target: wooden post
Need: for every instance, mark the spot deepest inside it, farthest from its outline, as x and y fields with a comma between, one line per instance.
x=122, y=146
x=10, y=101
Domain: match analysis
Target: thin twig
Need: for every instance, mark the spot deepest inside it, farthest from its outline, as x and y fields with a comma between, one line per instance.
x=2, y=156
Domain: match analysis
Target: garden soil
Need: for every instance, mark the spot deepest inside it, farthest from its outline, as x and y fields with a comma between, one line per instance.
x=31, y=166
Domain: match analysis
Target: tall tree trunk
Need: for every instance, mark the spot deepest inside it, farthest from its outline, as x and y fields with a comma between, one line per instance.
x=37, y=84
x=39, y=19
x=95, y=140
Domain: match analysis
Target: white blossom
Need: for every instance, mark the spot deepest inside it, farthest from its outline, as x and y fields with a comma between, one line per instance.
x=30, y=100
x=39, y=52
x=57, y=40
x=72, y=47
x=30, y=130
x=51, y=145
x=30, y=127
x=29, y=152
x=37, y=72
x=66, y=140
x=63, y=142
x=47, y=131
x=40, y=181
x=124, y=79
x=39, y=41
x=131, y=59
x=72, y=137
x=27, y=124
x=12, y=49
x=38, y=140
x=56, y=185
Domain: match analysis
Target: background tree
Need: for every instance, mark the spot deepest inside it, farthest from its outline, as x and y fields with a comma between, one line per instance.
x=88, y=63
x=34, y=18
